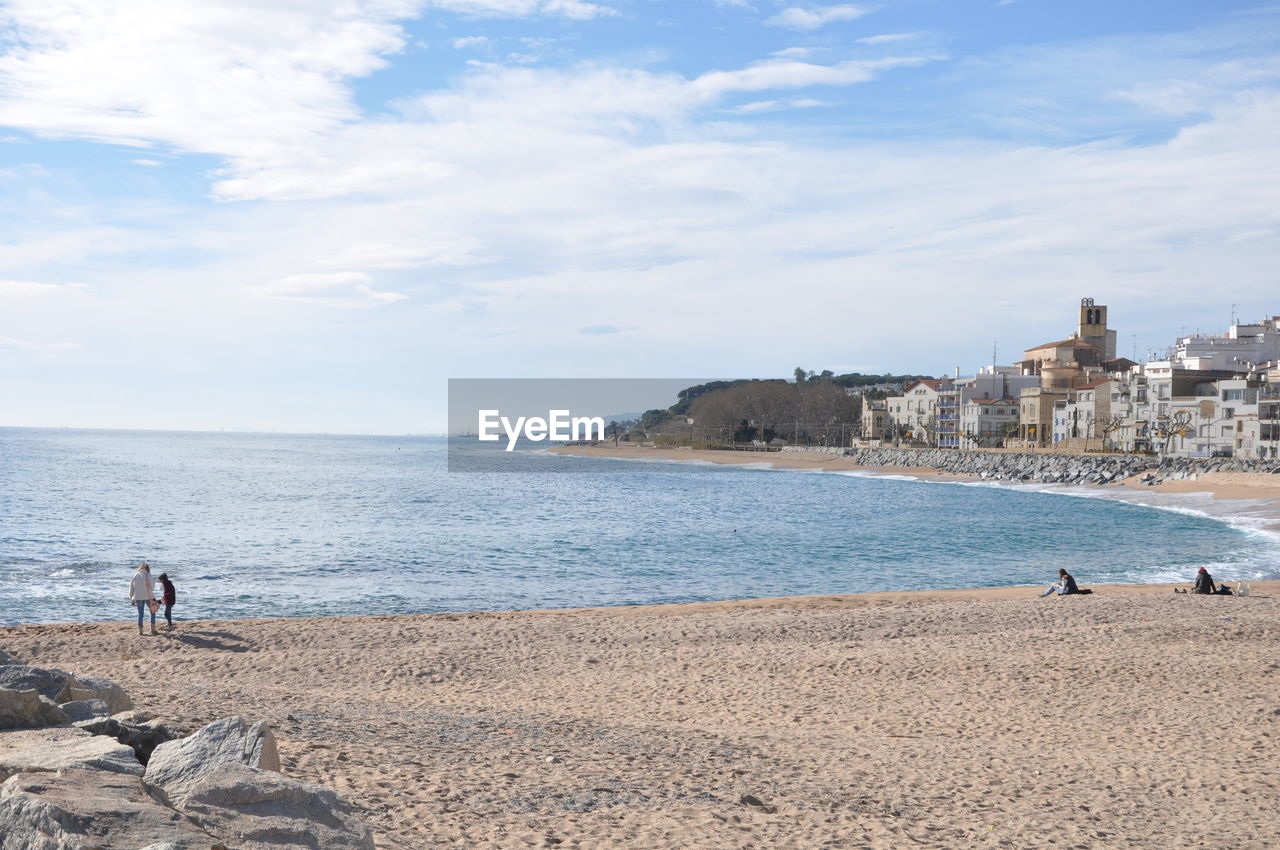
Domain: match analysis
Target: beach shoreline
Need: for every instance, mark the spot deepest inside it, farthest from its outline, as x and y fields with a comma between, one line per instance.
x=929, y=718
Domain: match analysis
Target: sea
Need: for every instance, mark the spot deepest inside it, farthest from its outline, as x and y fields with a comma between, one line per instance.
x=283, y=525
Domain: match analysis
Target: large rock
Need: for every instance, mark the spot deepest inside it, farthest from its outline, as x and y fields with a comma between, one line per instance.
x=176, y=765
x=52, y=684
x=253, y=809
x=46, y=750
x=142, y=737
x=95, y=687
x=6, y=659
x=28, y=710
x=85, y=709
x=91, y=810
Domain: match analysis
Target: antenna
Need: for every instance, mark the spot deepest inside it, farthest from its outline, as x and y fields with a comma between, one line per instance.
x=1135, y=348
x=995, y=354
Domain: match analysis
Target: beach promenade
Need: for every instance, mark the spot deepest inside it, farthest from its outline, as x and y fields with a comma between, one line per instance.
x=1131, y=718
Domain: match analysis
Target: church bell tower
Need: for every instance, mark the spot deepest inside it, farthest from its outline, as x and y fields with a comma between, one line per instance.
x=1093, y=327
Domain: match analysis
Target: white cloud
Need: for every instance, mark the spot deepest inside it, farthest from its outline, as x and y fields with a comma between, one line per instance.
x=38, y=347
x=784, y=74
x=149, y=163
x=30, y=288
x=811, y=18
x=332, y=289
x=573, y=9
x=473, y=42
x=775, y=105
x=887, y=38
x=237, y=81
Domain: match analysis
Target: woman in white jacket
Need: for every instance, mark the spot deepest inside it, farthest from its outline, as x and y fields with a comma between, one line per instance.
x=141, y=592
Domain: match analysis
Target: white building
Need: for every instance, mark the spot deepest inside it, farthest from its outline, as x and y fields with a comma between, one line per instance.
x=914, y=414
x=986, y=422
x=1237, y=350
x=987, y=401
x=1090, y=418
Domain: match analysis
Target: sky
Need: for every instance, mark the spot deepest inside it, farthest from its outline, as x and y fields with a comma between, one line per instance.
x=308, y=215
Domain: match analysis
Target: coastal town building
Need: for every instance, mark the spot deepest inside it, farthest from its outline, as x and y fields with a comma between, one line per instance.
x=1240, y=349
x=1085, y=419
x=985, y=423
x=875, y=419
x=1035, y=415
x=974, y=411
x=914, y=414
x=1268, y=440
x=1211, y=396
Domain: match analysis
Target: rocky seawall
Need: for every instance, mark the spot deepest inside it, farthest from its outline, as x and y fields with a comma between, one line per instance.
x=1046, y=467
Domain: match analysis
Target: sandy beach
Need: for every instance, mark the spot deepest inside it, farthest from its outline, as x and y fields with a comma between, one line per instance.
x=1131, y=718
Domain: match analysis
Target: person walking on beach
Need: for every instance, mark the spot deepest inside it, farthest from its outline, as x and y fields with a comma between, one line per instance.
x=169, y=596
x=142, y=594
x=1065, y=585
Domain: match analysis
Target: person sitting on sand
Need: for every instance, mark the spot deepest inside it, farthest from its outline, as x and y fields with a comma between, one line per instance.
x=170, y=595
x=1204, y=582
x=1065, y=585
x=142, y=594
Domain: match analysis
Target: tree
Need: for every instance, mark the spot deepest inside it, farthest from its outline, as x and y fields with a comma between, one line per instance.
x=1108, y=425
x=1173, y=426
x=801, y=375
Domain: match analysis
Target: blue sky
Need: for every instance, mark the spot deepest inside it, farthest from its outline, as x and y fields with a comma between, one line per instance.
x=308, y=214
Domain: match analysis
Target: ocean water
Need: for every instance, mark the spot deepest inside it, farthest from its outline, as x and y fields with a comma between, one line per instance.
x=255, y=525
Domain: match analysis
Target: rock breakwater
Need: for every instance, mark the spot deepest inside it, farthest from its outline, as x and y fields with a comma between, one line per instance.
x=1046, y=467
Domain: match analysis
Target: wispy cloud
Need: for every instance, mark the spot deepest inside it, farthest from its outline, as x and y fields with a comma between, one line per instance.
x=31, y=288
x=279, y=69
x=776, y=105
x=39, y=347
x=887, y=38
x=808, y=18
x=472, y=42
x=572, y=9
x=332, y=289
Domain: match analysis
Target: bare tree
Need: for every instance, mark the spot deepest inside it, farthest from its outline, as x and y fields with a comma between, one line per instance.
x=1108, y=425
x=1174, y=426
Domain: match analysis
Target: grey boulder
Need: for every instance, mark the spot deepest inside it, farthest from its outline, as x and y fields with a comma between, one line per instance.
x=47, y=750
x=175, y=766
x=95, y=687
x=27, y=709
x=142, y=737
x=85, y=709
x=51, y=684
x=91, y=810
x=254, y=809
